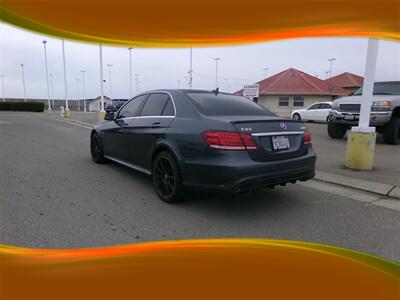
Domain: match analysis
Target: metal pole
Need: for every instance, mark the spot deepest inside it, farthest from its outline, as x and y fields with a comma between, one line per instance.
x=109, y=75
x=77, y=90
x=265, y=72
x=65, y=80
x=216, y=71
x=23, y=80
x=368, y=85
x=190, y=69
x=2, y=87
x=130, y=72
x=52, y=88
x=83, y=90
x=47, y=76
x=331, y=60
x=101, y=80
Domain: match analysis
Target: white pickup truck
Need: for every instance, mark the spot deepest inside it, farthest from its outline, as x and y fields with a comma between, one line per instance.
x=385, y=112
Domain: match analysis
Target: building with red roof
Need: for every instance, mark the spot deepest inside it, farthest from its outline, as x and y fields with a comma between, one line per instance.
x=293, y=89
x=347, y=81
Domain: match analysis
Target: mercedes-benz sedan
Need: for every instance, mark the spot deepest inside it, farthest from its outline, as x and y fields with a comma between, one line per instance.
x=204, y=140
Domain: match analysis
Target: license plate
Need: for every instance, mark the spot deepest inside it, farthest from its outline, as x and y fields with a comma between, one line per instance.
x=280, y=142
x=348, y=117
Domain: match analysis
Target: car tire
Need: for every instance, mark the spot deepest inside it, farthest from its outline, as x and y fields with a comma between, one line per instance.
x=167, y=179
x=296, y=117
x=96, y=149
x=327, y=119
x=391, y=133
x=336, y=131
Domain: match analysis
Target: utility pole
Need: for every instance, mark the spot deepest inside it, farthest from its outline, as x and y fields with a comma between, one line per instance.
x=23, y=80
x=47, y=77
x=190, y=69
x=331, y=60
x=67, y=113
x=52, y=88
x=130, y=72
x=2, y=87
x=77, y=91
x=216, y=71
x=83, y=90
x=109, y=76
x=102, y=112
x=265, y=72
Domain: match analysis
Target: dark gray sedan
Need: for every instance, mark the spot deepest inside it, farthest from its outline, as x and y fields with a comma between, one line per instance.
x=204, y=140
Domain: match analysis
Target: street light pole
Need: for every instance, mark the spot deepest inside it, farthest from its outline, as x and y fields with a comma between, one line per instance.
x=47, y=77
x=2, y=87
x=77, y=90
x=216, y=71
x=67, y=113
x=23, y=80
x=190, y=69
x=52, y=88
x=109, y=76
x=101, y=113
x=265, y=72
x=83, y=90
x=331, y=60
x=130, y=72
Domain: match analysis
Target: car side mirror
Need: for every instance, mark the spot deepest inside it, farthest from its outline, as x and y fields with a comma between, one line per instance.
x=109, y=116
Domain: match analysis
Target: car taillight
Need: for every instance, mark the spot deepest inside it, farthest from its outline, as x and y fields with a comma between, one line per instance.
x=229, y=140
x=307, y=137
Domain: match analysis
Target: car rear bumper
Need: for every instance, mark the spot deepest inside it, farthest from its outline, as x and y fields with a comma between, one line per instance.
x=376, y=118
x=244, y=175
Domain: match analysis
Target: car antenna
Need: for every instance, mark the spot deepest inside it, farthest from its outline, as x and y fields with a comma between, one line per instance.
x=216, y=91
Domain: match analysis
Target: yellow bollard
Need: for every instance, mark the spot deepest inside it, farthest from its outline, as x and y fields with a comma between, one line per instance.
x=67, y=113
x=101, y=115
x=360, y=150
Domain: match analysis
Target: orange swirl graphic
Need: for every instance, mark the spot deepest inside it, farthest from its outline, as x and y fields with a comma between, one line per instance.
x=198, y=269
x=178, y=23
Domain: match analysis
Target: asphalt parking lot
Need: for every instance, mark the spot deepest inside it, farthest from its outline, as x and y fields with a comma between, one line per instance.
x=53, y=196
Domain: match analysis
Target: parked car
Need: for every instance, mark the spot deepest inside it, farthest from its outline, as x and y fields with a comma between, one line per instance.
x=385, y=112
x=205, y=140
x=318, y=112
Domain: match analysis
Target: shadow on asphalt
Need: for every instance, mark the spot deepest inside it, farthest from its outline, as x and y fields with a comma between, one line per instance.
x=260, y=203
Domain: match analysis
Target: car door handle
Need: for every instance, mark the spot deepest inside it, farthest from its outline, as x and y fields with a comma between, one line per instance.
x=156, y=125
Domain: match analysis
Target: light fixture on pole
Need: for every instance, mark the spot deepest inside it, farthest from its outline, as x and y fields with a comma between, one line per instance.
x=67, y=112
x=265, y=72
x=2, y=87
x=216, y=71
x=52, y=88
x=331, y=60
x=77, y=94
x=190, y=69
x=83, y=90
x=102, y=112
x=130, y=72
x=47, y=77
x=23, y=80
x=109, y=76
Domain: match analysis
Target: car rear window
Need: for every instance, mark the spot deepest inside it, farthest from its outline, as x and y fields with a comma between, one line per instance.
x=210, y=104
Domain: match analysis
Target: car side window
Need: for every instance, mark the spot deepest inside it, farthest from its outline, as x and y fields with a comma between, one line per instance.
x=154, y=105
x=315, y=106
x=325, y=106
x=168, y=108
x=132, y=108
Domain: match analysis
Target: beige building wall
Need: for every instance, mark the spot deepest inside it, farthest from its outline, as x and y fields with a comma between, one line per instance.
x=272, y=103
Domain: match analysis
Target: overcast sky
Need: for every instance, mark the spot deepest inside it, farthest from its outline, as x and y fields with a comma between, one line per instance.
x=162, y=68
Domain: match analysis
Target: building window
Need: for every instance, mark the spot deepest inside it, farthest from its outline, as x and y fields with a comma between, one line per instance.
x=298, y=101
x=284, y=101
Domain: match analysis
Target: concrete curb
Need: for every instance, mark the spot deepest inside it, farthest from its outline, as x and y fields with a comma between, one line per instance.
x=359, y=184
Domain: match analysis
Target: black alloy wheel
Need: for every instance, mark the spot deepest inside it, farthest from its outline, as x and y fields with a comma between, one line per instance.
x=96, y=150
x=166, y=178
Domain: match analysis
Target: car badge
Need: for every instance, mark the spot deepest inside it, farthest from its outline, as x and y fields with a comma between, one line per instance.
x=283, y=125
